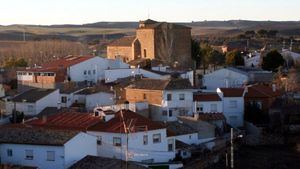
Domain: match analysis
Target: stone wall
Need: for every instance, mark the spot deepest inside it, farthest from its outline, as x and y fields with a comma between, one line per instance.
x=136, y=95
x=146, y=38
x=124, y=52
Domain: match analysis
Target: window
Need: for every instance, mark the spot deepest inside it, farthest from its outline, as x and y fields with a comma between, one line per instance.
x=169, y=97
x=170, y=145
x=9, y=153
x=94, y=72
x=184, y=153
x=117, y=141
x=182, y=112
x=181, y=96
x=200, y=108
x=144, y=96
x=89, y=72
x=190, y=136
x=170, y=113
x=145, y=139
x=233, y=104
x=28, y=154
x=84, y=72
x=50, y=156
x=99, y=140
x=213, y=108
x=156, y=138
x=165, y=113
x=145, y=53
x=64, y=99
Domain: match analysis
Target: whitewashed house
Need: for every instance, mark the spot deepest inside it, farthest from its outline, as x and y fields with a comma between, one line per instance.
x=253, y=59
x=33, y=101
x=44, y=148
x=233, y=105
x=92, y=97
x=70, y=68
x=167, y=98
x=207, y=102
x=235, y=77
x=112, y=75
x=128, y=135
x=67, y=95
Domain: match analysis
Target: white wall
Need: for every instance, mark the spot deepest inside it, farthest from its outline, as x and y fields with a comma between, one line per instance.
x=51, y=100
x=39, y=155
x=224, y=78
x=78, y=147
x=234, y=116
x=137, y=150
x=76, y=72
x=112, y=75
x=207, y=106
x=101, y=99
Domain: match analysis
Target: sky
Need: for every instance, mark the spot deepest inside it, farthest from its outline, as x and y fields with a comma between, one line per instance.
x=46, y=12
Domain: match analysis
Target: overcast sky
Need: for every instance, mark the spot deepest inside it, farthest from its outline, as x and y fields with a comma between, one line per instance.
x=47, y=12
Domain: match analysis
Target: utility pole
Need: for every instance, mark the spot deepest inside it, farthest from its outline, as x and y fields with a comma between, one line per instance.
x=232, y=150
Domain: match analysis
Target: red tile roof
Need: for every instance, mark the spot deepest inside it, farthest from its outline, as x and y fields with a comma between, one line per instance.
x=206, y=97
x=62, y=63
x=261, y=91
x=211, y=116
x=132, y=120
x=232, y=92
x=68, y=120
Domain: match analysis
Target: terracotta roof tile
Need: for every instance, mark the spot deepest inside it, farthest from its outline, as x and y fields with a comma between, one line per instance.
x=211, y=116
x=206, y=97
x=138, y=122
x=259, y=91
x=232, y=92
x=66, y=120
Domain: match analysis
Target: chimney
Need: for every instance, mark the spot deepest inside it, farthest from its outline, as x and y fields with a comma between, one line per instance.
x=274, y=87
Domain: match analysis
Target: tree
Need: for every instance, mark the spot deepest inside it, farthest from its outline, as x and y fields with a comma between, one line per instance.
x=234, y=58
x=250, y=33
x=21, y=63
x=262, y=33
x=272, y=61
x=12, y=62
x=216, y=58
x=196, y=52
x=204, y=54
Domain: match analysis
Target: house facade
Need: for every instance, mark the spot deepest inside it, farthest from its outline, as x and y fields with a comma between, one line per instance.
x=44, y=148
x=33, y=101
x=235, y=77
x=70, y=68
x=127, y=135
x=233, y=105
x=167, y=98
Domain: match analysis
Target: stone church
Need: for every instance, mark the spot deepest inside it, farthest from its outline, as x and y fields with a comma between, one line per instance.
x=161, y=41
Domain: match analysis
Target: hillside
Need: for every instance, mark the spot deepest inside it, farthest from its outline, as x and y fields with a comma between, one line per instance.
x=112, y=30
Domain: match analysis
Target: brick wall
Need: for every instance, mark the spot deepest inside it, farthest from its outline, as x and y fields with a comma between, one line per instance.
x=137, y=95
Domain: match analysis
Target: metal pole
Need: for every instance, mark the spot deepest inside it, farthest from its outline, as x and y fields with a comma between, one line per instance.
x=232, y=155
x=226, y=158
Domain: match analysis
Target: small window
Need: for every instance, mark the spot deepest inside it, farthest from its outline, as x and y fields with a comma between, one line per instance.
x=190, y=136
x=89, y=72
x=200, y=108
x=64, y=99
x=84, y=72
x=99, y=140
x=233, y=104
x=170, y=145
x=94, y=72
x=28, y=154
x=156, y=138
x=145, y=139
x=30, y=74
x=145, y=53
x=164, y=112
x=9, y=153
x=50, y=156
x=169, y=97
x=117, y=141
x=181, y=96
x=144, y=96
x=184, y=153
x=170, y=113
